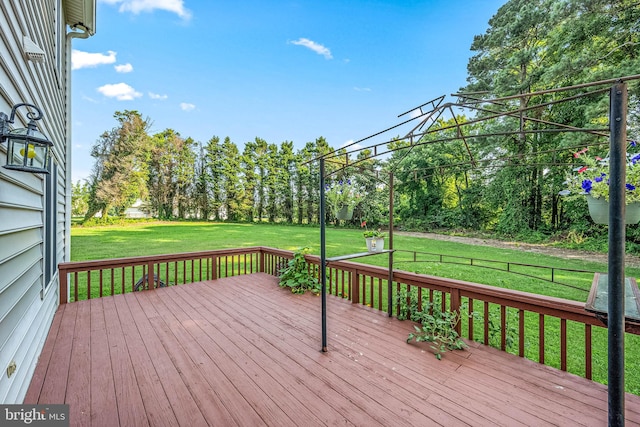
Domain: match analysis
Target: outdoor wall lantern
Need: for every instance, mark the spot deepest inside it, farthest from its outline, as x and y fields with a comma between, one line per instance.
x=28, y=150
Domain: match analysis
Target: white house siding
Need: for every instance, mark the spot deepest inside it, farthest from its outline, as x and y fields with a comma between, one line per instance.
x=27, y=304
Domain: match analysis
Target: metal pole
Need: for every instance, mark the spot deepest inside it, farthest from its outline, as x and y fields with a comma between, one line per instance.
x=390, y=279
x=617, y=176
x=323, y=260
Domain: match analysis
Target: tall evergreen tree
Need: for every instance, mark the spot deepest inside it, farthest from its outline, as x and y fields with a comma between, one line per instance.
x=202, y=191
x=231, y=188
x=261, y=151
x=215, y=169
x=248, y=170
x=286, y=172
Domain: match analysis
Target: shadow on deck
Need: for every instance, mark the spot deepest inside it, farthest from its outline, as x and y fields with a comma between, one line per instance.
x=242, y=351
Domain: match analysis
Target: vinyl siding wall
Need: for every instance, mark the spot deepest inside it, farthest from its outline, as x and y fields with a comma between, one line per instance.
x=27, y=303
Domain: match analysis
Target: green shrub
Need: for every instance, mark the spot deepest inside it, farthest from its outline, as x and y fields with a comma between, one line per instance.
x=297, y=274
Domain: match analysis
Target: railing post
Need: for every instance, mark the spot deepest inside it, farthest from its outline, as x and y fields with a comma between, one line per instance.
x=261, y=264
x=150, y=278
x=455, y=308
x=63, y=281
x=214, y=267
x=355, y=287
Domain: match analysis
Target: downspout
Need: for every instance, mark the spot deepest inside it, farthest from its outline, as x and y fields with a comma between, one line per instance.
x=83, y=34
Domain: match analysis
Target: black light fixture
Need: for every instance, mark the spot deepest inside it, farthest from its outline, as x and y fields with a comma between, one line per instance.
x=28, y=149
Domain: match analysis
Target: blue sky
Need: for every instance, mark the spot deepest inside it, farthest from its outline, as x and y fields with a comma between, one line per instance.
x=290, y=70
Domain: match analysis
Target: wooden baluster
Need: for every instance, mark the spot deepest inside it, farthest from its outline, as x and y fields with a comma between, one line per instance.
x=455, y=307
x=486, y=323
x=541, y=338
x=588, y=367
x=355, y=287
x=470, y=320
x=521, y=333
x=75, y=286
x=89, y=284
x=503, y=327
x=563, y=344
x=100, y=274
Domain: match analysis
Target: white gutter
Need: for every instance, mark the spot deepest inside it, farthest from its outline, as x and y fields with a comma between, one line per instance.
x=83, y=34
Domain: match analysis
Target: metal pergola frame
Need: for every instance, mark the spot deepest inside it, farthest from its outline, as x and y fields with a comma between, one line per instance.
x=617, y=133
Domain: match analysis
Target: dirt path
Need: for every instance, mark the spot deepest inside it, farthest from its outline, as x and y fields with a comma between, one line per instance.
x=630, y=260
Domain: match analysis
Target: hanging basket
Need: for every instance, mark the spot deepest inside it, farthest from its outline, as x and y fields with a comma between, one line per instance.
x=599, y=211
x=345, y=213
x=375, y=244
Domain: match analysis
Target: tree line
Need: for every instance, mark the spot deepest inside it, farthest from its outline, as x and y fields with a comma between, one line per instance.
x=505, y=183
x=179, y=178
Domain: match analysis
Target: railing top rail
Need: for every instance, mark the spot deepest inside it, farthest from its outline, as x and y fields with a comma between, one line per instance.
x=118, y=262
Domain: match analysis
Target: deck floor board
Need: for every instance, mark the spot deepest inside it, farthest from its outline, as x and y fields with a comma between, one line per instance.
x=242, y=351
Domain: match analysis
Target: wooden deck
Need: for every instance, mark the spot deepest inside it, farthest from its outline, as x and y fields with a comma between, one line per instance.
x=242, y=351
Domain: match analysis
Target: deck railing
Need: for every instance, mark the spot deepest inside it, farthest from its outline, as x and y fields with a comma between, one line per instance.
x=562, y=335
x=93, y=279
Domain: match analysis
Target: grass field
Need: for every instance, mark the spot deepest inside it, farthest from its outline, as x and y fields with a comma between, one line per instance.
x=173, y=237
x=150, y=238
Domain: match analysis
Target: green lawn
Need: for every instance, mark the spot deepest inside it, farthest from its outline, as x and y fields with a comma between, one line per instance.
x=149, y=238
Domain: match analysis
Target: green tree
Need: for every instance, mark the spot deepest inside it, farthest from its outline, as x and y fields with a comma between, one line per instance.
x=214, y=173
x=80, y=194
x=120, y=173
x=231, y=186
x=285, y=176
x=249, y=181
x=261, y=156
x=164, y=161
x=202, y=193
x=271, y=182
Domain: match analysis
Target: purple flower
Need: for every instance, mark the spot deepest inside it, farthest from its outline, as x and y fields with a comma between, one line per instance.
x=630, y=187
x=586, y=185
x=633, y=143
x=598, y=179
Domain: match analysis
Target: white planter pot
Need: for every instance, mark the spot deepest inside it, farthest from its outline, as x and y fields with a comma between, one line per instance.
x=599, y=211
x=375, y=244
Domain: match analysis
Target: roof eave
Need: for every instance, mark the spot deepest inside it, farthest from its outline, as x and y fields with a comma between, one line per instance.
x=81, y=14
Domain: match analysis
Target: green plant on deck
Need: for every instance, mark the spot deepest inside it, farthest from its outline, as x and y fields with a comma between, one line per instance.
x=297, y=274
x=437, y=327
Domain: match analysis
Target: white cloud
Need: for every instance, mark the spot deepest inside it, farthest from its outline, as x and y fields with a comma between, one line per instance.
x=138, y=6
x=80, y=59
x=157, y=96
x=119, y=91
x=316, y=47
x=185, y=106
x=123, y=68
x=362, y=89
